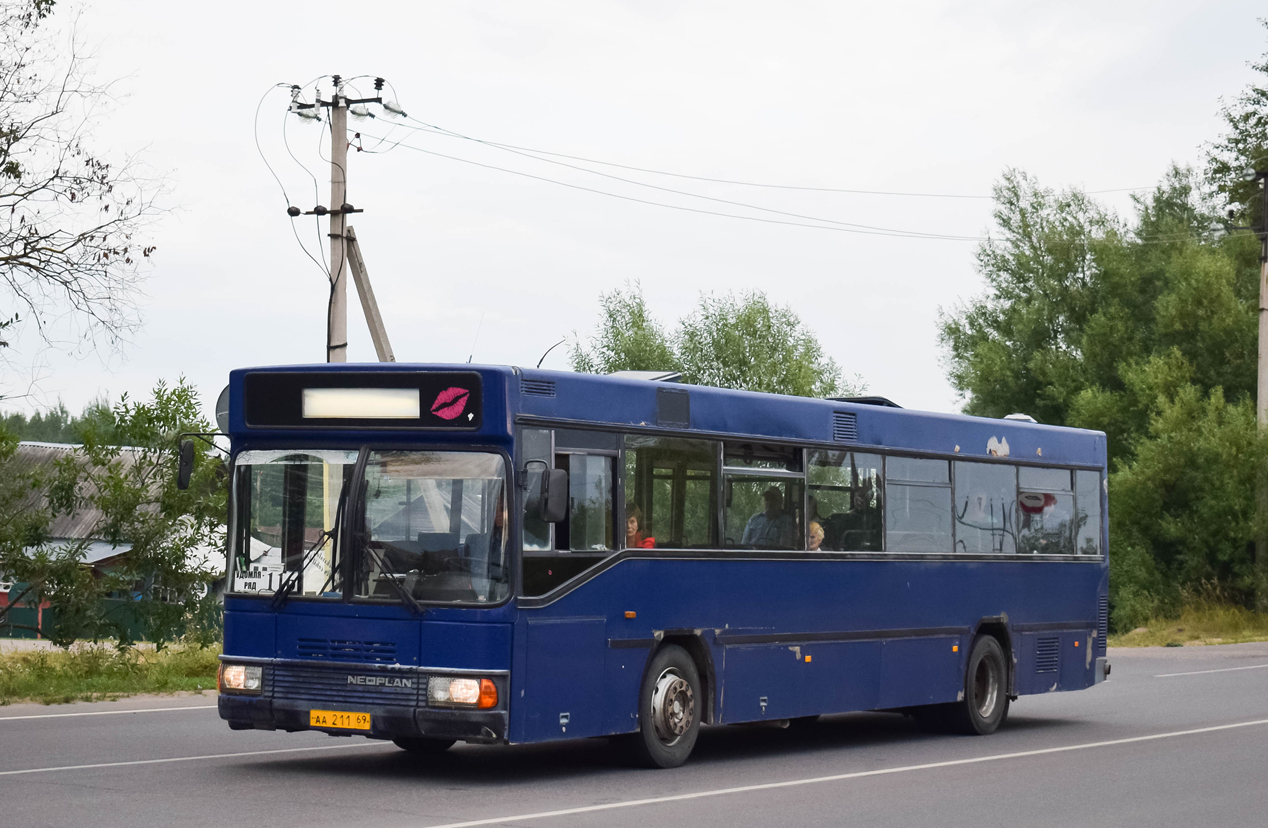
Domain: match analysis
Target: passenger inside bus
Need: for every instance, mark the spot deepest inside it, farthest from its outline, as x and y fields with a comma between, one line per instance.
x=772, y=527
x=814, y=537
x=633, y=529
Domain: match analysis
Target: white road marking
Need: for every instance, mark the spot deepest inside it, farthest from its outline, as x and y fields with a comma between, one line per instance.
x=1222, y=670
x=107, y=712
x=634, y=803
x=191, y=758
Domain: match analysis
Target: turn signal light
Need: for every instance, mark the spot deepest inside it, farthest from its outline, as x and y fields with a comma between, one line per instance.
x=443, y=691
x=488, y=694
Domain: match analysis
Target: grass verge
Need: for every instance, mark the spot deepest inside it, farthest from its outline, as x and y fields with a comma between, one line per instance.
x=99, y=672
x=1202, y=622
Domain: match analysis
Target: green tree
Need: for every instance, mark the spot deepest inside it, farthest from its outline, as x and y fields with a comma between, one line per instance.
x=56, y=425
x=743, y=342
x=174, y=535
x=1128, y=327
x=629, y=338
x=746, y=342
x=1244, y=146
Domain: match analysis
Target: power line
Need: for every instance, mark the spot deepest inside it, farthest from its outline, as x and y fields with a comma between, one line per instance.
x=827, y=225
x=448, y=133
x=688, y=194
x=843, y=226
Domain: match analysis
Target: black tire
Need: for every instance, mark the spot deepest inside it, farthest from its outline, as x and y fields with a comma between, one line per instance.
x=985, y=703
x=423, y=746
x=669, y=706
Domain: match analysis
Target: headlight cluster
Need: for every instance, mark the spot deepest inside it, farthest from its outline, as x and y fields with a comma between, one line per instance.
x=443, y=691
x=240, y=678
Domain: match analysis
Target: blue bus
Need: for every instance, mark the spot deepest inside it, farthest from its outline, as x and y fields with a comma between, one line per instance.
x=437, y=553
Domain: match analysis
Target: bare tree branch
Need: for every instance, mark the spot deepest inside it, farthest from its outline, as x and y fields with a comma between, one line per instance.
x=73, y=224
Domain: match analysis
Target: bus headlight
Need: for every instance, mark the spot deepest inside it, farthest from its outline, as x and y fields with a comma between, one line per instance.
x=241, y=678
x=443, y=691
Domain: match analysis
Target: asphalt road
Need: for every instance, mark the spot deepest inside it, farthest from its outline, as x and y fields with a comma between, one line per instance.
x=1177, y=737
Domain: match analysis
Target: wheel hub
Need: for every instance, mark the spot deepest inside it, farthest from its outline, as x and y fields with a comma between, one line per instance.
x=673, y=707
x=986, y=688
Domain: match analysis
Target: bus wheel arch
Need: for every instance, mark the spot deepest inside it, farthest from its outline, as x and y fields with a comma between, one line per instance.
x=997, y=627
x=696, y=647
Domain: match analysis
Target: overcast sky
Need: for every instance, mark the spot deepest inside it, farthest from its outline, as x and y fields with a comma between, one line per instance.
x=915, y=97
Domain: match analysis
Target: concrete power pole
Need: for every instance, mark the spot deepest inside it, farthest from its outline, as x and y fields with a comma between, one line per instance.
x=1261, y=541
x=337, y=323
x=344, y=250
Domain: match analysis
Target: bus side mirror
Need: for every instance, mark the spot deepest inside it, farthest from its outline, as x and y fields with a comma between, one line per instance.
x=554, y=499
x=186, y=467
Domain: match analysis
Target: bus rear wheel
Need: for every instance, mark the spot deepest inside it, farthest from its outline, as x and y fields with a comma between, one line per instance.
x=422, y=746
x=669, y=706
x=985, y=704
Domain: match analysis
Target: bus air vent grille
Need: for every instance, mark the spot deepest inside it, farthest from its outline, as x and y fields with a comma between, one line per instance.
x=538, y=388
x=1102, y=626
x=328, y=684
x=1047, y=655
x=372, y=652
x=845, y=427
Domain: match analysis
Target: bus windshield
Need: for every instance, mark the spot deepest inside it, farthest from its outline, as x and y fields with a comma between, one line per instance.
x=284, y=515
x=428, y=526
x=433, y=527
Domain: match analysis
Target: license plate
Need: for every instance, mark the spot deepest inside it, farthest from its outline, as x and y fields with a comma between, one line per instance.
x=339, y=718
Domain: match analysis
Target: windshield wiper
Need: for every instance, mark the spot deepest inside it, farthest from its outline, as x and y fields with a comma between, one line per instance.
x=384, y=566
x=292, y=578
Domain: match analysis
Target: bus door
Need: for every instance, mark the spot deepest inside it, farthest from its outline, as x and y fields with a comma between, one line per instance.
x=561, y=693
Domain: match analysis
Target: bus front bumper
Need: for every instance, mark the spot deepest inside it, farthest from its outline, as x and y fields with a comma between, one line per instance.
x=291, y=715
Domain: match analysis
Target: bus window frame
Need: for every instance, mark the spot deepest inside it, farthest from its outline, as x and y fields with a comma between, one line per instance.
x=885, y=452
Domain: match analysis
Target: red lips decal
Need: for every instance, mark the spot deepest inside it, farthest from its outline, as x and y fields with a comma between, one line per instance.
x=450, y=403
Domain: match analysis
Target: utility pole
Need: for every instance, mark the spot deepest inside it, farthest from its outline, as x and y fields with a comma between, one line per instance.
x=1261, y=539
x=337, y=321
x=1262, y=232
x=344, y=250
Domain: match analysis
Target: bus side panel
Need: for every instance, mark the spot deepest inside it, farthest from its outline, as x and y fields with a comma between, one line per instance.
x=1076, y=668
x=563, y=689
x=764, y=682
x=921, y=671
x=623, y=674
x=837, y=611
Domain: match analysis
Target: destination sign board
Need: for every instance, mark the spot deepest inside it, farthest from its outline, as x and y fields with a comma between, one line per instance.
x=448, y=400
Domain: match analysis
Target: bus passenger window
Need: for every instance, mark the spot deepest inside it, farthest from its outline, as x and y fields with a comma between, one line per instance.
x=917, y=505
x=763, y=513
x=673, y=484
x=1045, y=511
x=588, y=526
x=985, y=508
x=1088, y=495
x=846, y=496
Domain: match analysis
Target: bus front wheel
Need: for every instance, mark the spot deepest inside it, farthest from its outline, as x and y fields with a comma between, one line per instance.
x=669, y=706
